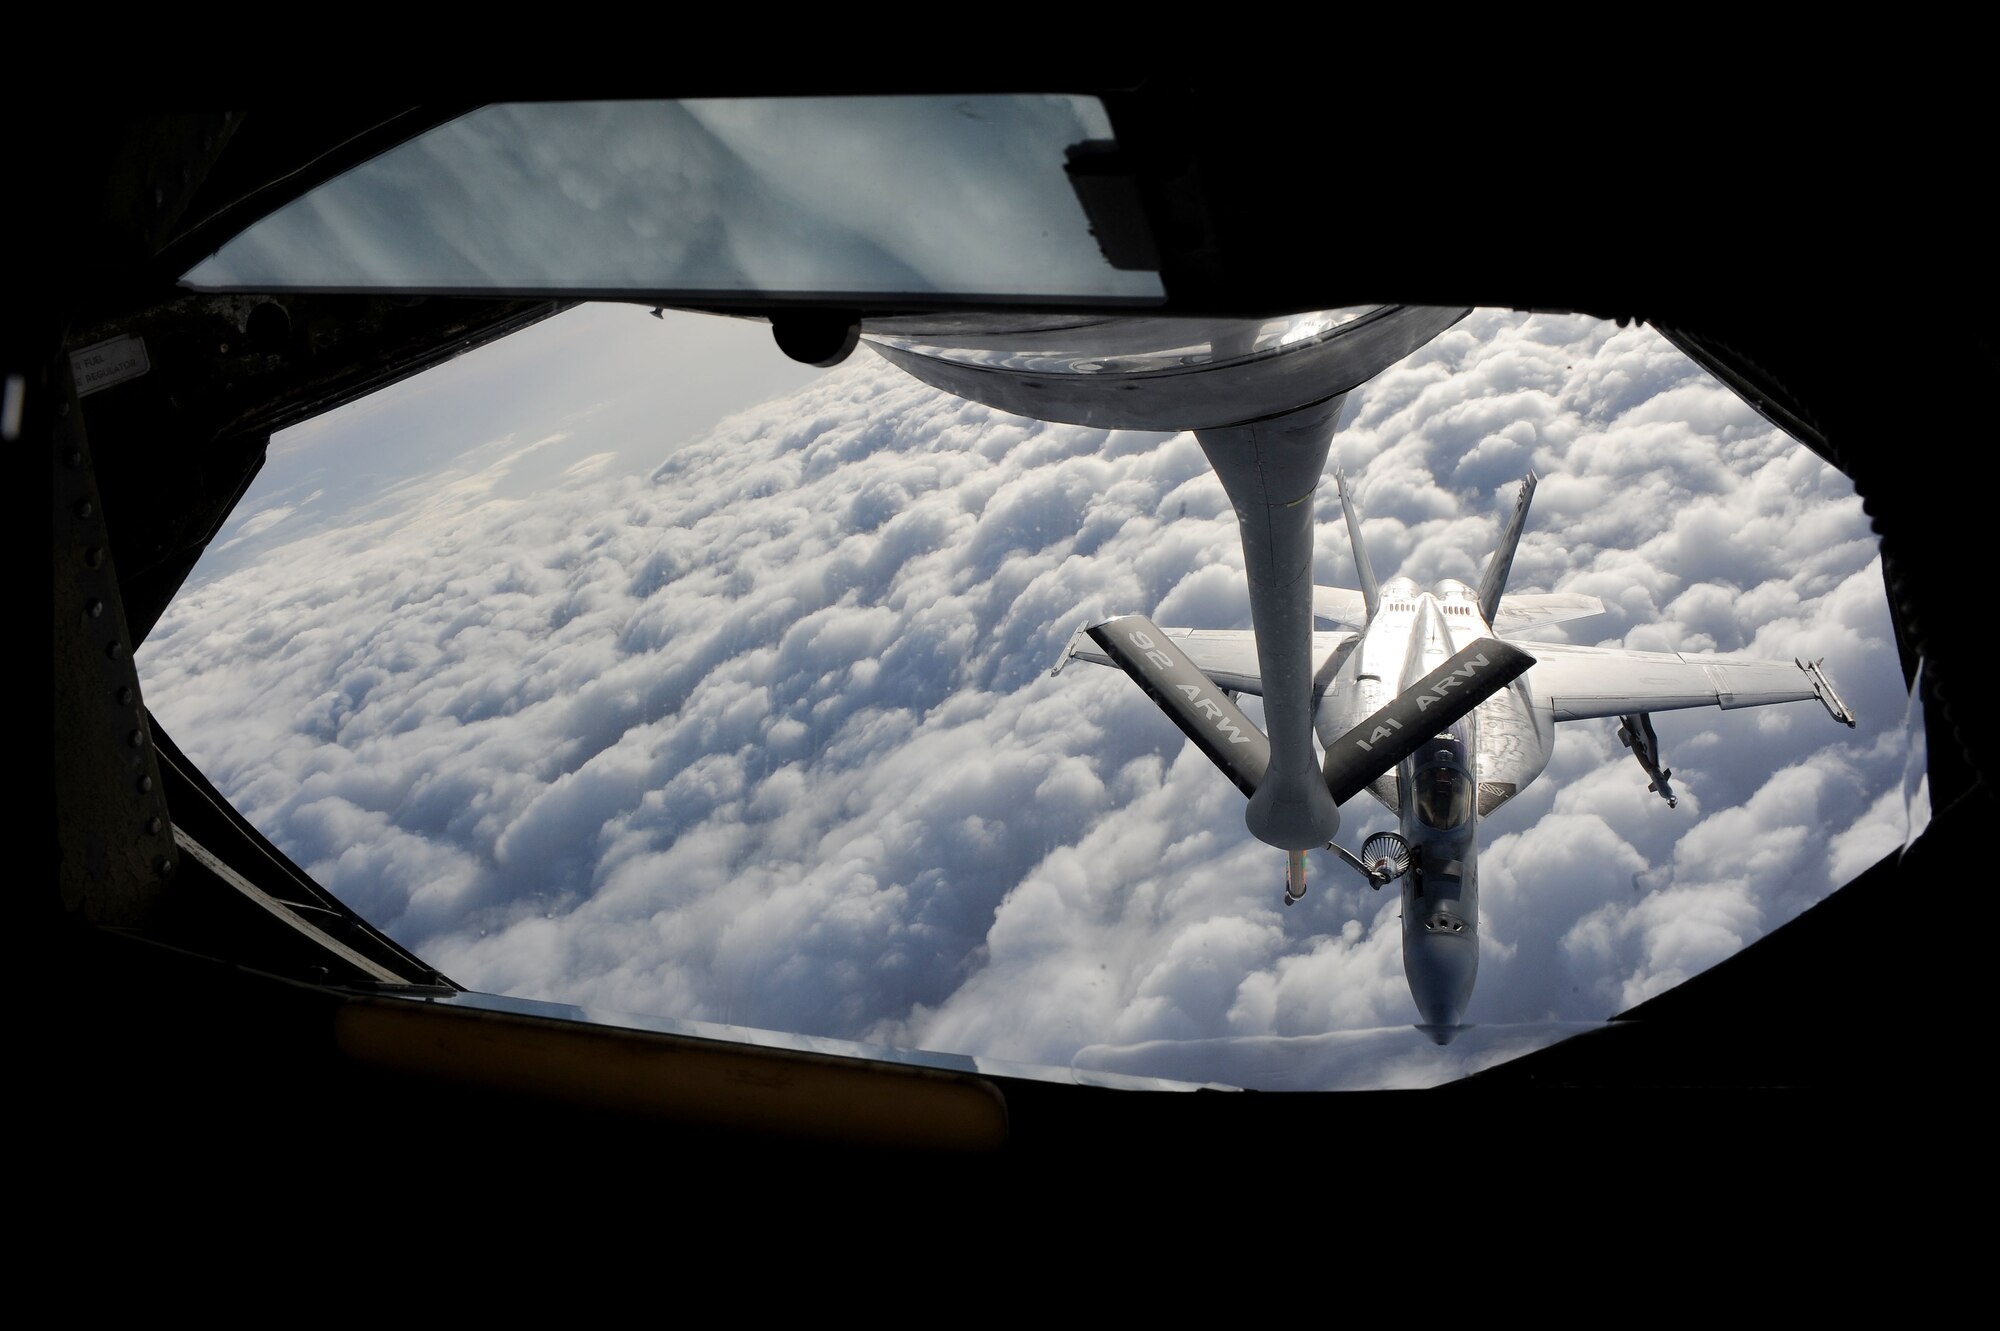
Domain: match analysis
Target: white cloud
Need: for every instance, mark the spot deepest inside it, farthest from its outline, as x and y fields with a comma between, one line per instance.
x=768, y=738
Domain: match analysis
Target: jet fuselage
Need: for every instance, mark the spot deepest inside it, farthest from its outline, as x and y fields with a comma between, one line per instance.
x=1440, y=792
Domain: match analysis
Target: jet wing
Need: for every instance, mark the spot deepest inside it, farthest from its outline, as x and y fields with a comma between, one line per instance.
x=1227, y=656
x=1341, y=605
x=1577, y=683
x=1526, y=610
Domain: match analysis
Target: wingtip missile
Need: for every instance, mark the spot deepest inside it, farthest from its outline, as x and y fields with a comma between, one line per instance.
x=1070, y=650
x=1824, y=690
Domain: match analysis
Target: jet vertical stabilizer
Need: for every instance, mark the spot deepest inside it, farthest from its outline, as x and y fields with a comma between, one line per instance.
x=1494, y=581
x=1371, y=595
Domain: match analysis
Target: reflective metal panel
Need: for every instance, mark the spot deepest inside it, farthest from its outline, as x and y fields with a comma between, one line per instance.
x=1127, y=345
x=1144, y=373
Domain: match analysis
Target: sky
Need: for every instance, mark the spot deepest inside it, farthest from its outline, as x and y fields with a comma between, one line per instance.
x=624, y=663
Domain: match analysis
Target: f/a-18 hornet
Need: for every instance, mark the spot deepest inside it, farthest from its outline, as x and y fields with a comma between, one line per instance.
x=1397, y=638
x=1423, y=698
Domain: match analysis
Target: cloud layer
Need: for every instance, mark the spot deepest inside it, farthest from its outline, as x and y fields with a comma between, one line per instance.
x=767, y=737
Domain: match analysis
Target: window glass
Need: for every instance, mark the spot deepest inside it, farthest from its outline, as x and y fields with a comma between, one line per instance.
x=1444, y=798
x=624, y=663
x=821, y=196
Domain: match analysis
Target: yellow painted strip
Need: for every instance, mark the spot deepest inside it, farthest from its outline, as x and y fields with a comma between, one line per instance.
x=710, y=1083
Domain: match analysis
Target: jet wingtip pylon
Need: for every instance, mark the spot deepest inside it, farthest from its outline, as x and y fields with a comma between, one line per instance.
x=1823, y=689
x=1069, y=651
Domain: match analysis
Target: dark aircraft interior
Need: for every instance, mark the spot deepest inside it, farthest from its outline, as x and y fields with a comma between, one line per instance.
x=200, y=1005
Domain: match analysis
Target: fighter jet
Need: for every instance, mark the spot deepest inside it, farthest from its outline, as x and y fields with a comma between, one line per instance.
x=1398, y=638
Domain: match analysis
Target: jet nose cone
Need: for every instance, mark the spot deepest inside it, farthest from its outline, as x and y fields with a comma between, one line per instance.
x=1442, y=965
